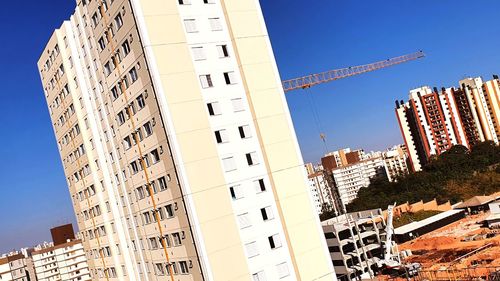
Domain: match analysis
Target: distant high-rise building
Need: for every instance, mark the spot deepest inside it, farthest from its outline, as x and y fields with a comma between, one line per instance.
x=13, y=268
x=349, y=179
x=65, y=262
x=309, y=168
x=63, y=259
x=322, y=192
x=177, y=143
x=483, y=102
x=341, y=158
x=432, y=121
x=395, y=162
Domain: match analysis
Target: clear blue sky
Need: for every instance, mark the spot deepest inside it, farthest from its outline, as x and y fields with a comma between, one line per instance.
x=460, y=38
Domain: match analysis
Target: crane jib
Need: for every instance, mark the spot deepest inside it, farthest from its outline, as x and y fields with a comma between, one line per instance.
x=327, y=76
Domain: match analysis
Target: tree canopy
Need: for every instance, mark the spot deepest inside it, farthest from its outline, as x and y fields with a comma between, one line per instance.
x=455, y=175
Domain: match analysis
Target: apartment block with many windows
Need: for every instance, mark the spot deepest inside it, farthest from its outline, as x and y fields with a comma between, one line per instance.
x=177, y=143
x=432, y=121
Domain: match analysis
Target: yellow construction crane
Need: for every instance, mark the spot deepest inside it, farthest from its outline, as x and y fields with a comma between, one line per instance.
x=331, y=75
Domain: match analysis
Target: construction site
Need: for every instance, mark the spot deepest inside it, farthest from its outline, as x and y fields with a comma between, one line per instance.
x=467, y=249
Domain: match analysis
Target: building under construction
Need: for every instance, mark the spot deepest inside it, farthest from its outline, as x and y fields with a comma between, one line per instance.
x=355, y=243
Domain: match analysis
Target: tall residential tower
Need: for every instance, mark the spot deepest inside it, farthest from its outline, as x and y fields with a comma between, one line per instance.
x=432, y=121
x=177, y=143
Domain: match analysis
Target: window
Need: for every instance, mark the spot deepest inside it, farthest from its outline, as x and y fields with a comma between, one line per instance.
x=162, y=183
x=267, y=213
x=125, y=48
x=214, y=108
x=215, y=24
x=95, y=19
x=115, y=93
x=244, y=131
x=155, y=155
x=252, y=158
x=176, y=238
x=121, y=118
x=259, y=276
x=133, y=75
x=282, y=270
x=141, y=103
x=236, y=192
x=229, y=164
x=198, y=53
x=244, y=220
x=153, y=243
x=134, y=167
x=230, y=78
x=274, y=241
x=206, y=81
x=184, y=267
x=252, y=249
x=148, y=129
x=238, y=105
x=190, y=25
x=140, y=193
x=222, y=50
x=159, y=269
x=259, y=185
x=146, y=217
x=102, y=44
x=221, y=136
x=107, y=69
x=118, y=21
x=127, y=143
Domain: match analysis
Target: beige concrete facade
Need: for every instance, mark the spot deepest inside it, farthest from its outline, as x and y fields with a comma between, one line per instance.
x=174, y=131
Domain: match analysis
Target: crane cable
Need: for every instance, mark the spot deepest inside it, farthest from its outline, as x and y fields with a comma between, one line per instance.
x=317, y=119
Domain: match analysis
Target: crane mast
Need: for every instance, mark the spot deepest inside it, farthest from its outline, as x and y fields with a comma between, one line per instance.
x=331, y=75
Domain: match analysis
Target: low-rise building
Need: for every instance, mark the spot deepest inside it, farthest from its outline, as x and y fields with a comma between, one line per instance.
x=493, y=220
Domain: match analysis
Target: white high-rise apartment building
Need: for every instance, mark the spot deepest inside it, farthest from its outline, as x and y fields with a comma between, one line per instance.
x=395, y=162
x=321, y=191
x=483, y=110
x=65, y=262
x=433, y=121
x=351, y=178
x=177, y=143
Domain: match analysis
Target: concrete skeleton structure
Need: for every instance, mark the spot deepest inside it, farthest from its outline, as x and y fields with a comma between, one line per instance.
x=431, y=121
x=355, y=242
x=177, y=143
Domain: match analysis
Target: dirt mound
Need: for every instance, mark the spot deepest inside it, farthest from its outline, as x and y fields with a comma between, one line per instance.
x=432, y=243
